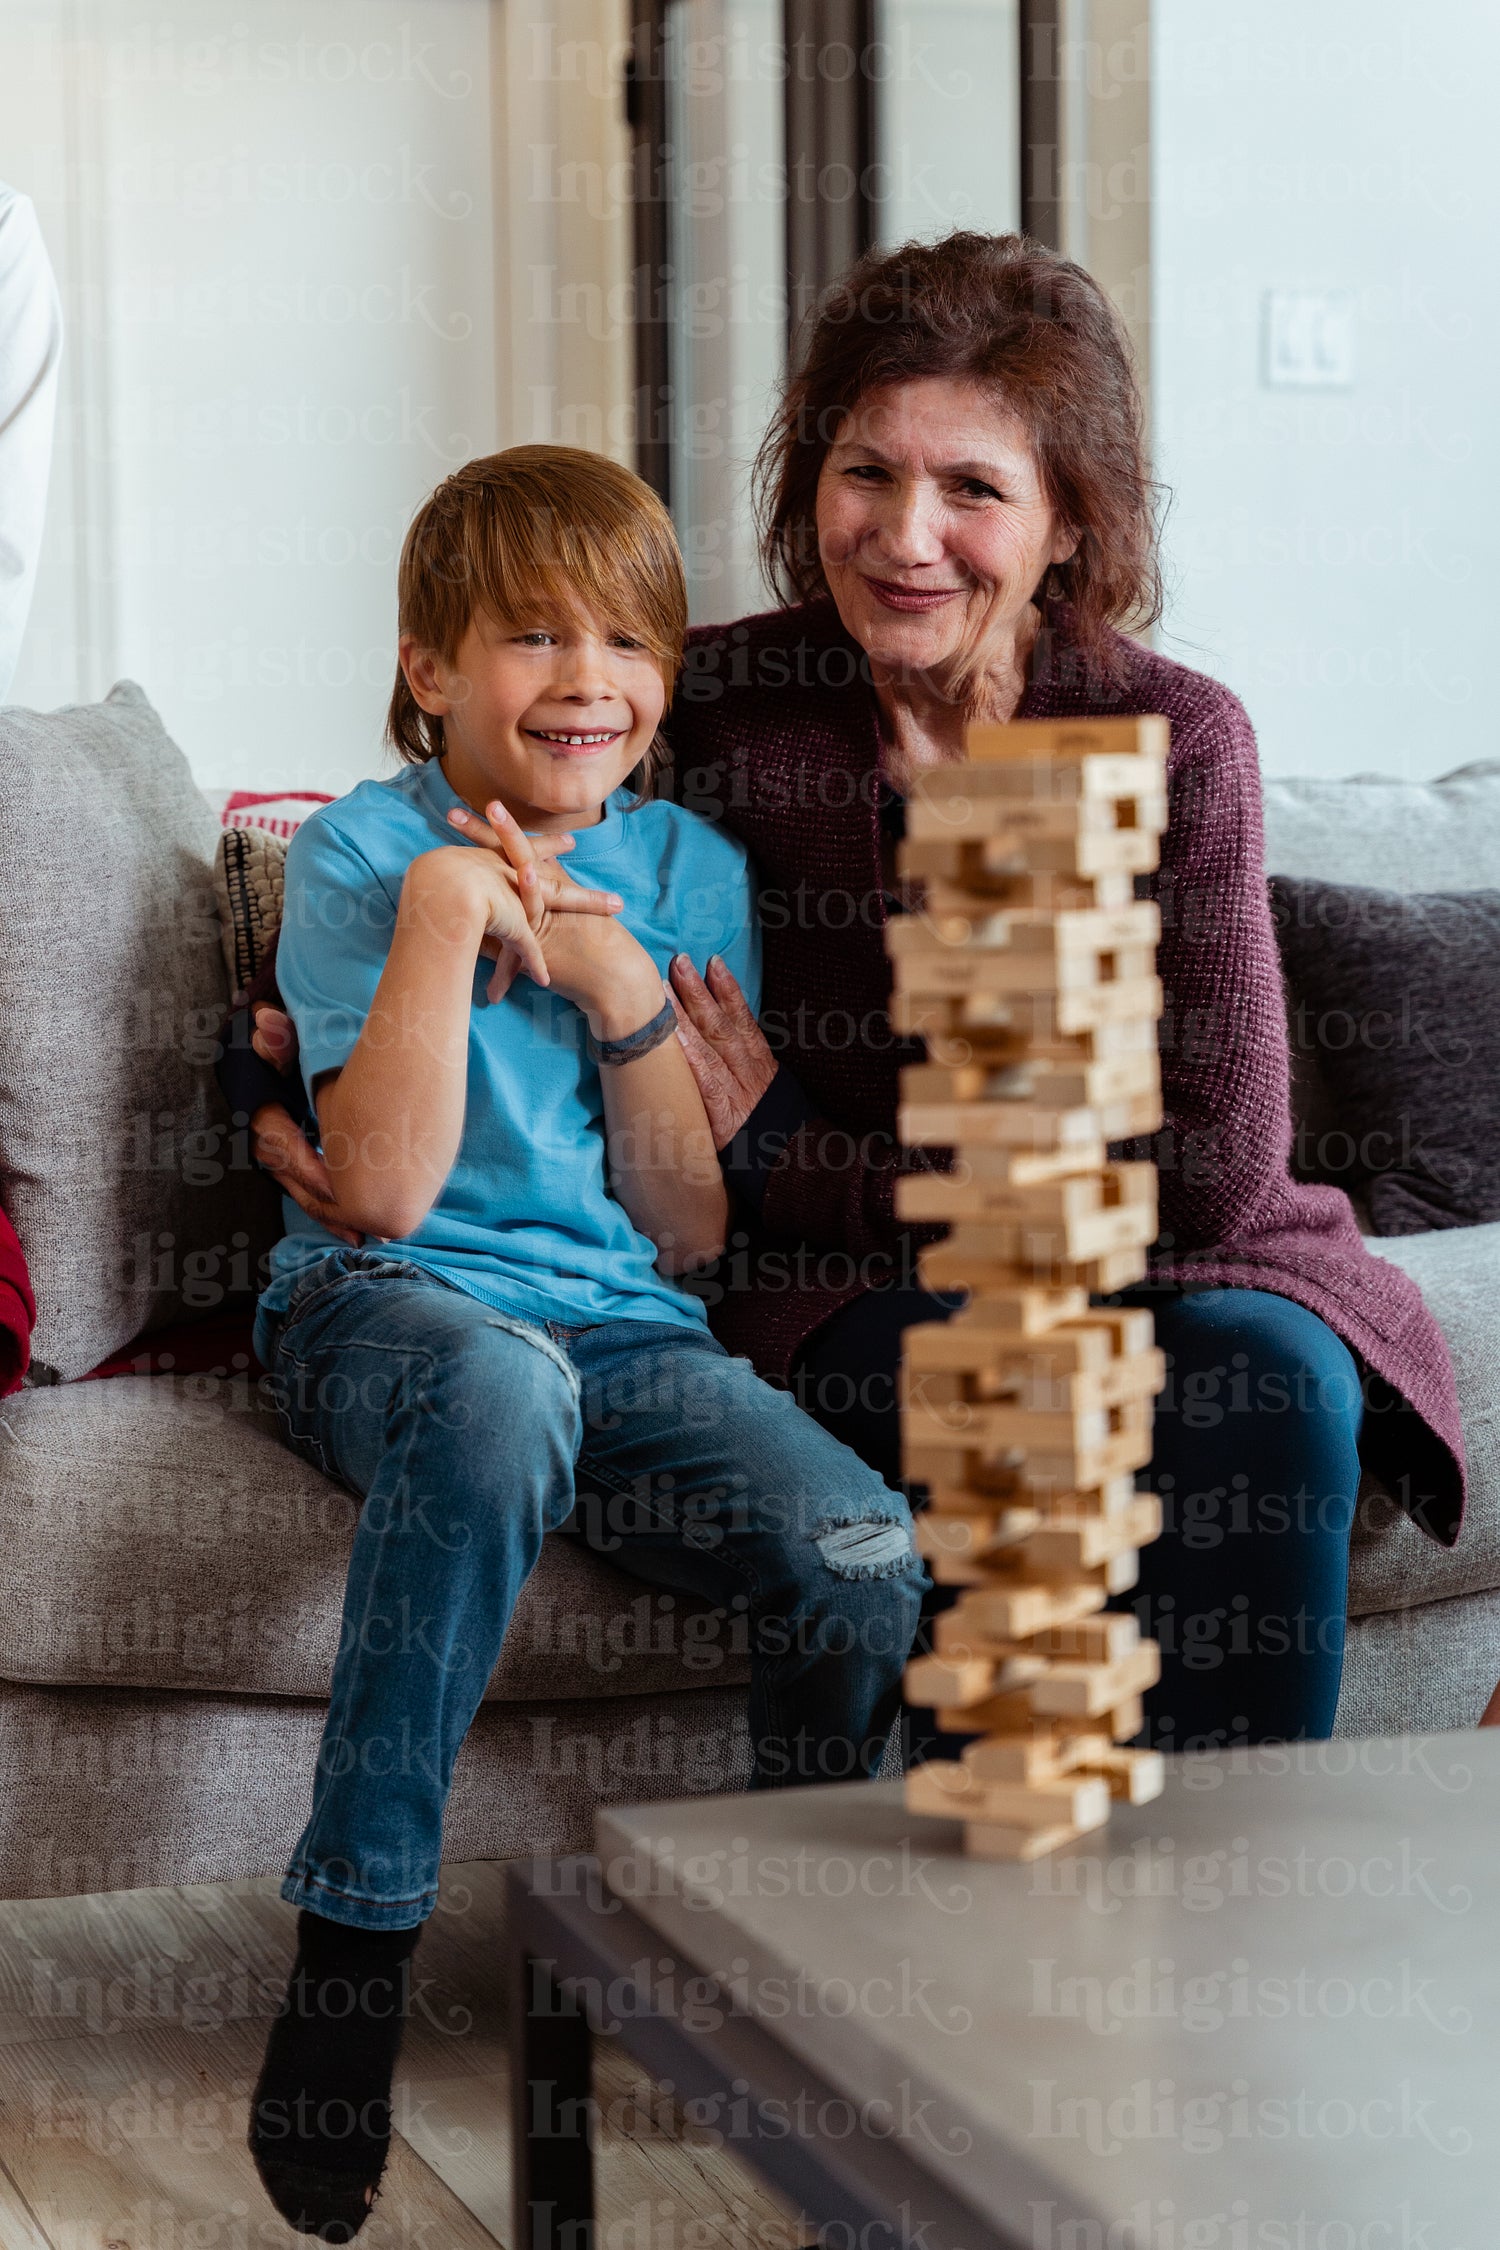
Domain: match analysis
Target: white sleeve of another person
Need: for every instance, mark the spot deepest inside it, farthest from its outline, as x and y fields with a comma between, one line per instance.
x=30, y=349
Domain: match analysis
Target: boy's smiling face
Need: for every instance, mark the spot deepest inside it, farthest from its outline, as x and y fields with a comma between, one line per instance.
x=548, y=714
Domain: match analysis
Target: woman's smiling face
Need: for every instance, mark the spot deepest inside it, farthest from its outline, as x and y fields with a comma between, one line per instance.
x=934, y=529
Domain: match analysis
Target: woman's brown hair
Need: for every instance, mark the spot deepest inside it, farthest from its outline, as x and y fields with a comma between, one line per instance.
x=536, y=532
x=1038, y=333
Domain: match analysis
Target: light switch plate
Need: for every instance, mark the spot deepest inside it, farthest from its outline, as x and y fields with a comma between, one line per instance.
x=1309, y=340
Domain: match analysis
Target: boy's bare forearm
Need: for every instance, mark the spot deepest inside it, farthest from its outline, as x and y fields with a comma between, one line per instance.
x=663, y=1165
x=392, y=1120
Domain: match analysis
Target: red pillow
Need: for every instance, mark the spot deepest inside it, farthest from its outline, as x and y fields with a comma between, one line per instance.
x=282, y=811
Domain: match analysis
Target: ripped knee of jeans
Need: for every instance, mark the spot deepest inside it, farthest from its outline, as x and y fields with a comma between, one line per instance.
x=866, y=1547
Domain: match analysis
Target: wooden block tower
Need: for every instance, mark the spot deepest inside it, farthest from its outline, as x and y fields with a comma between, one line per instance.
x=1029, y=969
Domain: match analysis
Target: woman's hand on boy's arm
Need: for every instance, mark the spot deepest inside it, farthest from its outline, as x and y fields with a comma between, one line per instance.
x=730, y=1055
x=278, y=1142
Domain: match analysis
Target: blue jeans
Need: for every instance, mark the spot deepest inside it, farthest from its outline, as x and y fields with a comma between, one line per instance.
x=1257, y=1460
x=470, y=1434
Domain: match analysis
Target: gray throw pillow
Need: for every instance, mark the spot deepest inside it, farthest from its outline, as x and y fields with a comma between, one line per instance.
x=1394, y=1009
x=135, y=1200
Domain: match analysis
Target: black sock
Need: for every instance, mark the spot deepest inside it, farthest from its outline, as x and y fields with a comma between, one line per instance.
x=320, y=2117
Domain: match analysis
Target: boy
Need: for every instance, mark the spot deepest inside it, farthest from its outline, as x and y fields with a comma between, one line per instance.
x=508, y=1117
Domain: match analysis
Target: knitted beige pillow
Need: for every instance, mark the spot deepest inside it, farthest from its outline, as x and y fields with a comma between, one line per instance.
x=249, y=886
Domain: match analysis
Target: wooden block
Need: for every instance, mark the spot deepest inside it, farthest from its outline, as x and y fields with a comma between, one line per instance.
x=922, y=963
x=1003, y=1492
x=1119, y=1574
x=974, y=1126
x=1108, y=1532
x=1064, y=845
x=998, y=1714
x=953, y=1016
x=959, y=1346
x=961, y=1482
x=1035, y=1452
x=956, y=1570
x=1131, y=851
x=1027, y=1758
x=943, y=1535
x=1039, y=739
x=1024, y=1035
x=955, y=1638
x=1026, y=1309
x=1087, y=1691
x=1121, y=1000
x=1072, y=1203
x=965, y=1345
x=939, y=1267
x=1085, y=795
x=1042, y=792
x=986, y=928
x=1061, y=1081
x=1040, y=1382
x=946, y=1684
x=1112, y=1498
x=990, y=1239
x=1134, y=1776
x=984, y=1840
x=951, y=1791
x=967, y=1426
x=1014, y=1613
x=997, y=858
x=1099, y=1640
x=1106, y=1639
x=1126, y=1719
x=1024, y=1168
x=1057, y=1548
x=933, y=1419
x=1133, y=1326
x=1058, y=1085
x=966, y=886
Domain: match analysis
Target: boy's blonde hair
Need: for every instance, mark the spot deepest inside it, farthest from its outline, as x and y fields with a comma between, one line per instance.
x=535, y=532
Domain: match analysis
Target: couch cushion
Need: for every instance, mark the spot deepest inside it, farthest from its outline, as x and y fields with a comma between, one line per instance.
x=1395, y=999
x=156, y=1532
x=1417, y=1671
x=1400, y=835
x=1392, y=1565
x=133, y=1203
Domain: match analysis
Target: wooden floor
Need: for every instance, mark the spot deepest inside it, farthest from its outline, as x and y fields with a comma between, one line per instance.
x=131, y=2030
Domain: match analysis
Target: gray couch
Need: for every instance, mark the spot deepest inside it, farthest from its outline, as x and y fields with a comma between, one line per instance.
x=172, y=1574
x=1424, y=1622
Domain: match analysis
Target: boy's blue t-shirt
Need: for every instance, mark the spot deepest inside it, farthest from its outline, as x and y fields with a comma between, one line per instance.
x=525, y=1221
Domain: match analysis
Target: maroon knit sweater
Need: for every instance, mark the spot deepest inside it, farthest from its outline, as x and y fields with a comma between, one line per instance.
x=774, y=732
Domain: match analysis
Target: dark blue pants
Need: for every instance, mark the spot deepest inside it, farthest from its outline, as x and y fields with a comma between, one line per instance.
x=1257, y=1465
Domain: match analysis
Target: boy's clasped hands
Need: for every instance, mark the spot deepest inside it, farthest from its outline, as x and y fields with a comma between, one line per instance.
x=540, y=922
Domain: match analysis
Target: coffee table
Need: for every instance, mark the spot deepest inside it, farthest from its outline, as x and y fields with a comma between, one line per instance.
x=1262, y=2011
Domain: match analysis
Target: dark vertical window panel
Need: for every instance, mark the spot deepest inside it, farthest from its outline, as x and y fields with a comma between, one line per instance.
x=1041, y=121
x=651, y=243
x=830, y=144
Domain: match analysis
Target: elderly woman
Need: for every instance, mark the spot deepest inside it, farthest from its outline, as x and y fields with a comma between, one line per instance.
x=957, y=511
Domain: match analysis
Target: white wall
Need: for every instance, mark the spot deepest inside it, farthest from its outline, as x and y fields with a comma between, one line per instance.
x=948, y=76
x=308, y=254
x=726, y=126
x=1334, y=555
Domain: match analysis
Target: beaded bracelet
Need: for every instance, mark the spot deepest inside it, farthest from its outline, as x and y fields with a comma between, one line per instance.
x=635, y=1043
